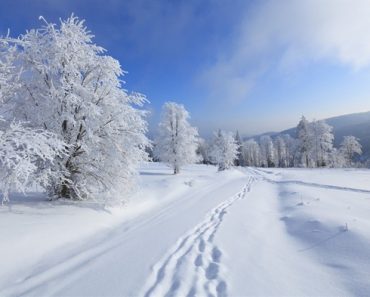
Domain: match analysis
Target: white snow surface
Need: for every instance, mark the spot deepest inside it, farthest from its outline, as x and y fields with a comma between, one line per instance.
x=241, y=232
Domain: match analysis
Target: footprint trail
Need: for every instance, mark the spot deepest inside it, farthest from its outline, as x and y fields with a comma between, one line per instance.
x=193, y=267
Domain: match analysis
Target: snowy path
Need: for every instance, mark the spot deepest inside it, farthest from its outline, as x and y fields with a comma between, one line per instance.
x=262, y=248
x=248, y=232
x=118, y=263
x=193, y=266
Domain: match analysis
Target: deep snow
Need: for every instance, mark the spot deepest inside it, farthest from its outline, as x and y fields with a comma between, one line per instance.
x=243, y=232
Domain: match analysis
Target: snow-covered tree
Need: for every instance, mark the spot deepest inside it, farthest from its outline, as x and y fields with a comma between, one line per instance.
x=291, y=145
x=349, y=148
x=70, y=87
x=336, y=159
x=177, y=140
x=251, y=153
x=203, y=151
x=239, y=160
x=224, y=150
x=267, y=151
x=282, y=154
x=315, y=143
x=322, y=139
x=305, y=144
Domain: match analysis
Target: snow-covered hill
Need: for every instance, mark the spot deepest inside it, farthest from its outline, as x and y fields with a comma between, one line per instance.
x=241, y=232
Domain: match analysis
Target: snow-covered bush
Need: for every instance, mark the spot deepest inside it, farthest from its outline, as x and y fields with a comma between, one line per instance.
x=224, y=150
x=69, y=86
x=25, y=157
x=177, y=141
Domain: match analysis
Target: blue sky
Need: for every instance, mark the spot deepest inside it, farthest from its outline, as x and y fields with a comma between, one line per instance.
x=254, y=66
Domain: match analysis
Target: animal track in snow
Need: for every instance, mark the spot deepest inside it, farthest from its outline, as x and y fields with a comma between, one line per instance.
x=193, y=267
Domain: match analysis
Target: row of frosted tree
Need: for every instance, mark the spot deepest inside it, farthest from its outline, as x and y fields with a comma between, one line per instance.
x=178, y=144
x=312, y=147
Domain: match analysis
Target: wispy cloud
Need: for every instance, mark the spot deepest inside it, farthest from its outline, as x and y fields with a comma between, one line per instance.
x=286, y=34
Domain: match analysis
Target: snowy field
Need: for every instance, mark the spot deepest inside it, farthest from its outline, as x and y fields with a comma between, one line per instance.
x=243, y=232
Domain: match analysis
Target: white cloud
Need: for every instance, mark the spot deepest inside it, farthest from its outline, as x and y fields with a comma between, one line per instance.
x=289, y=33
